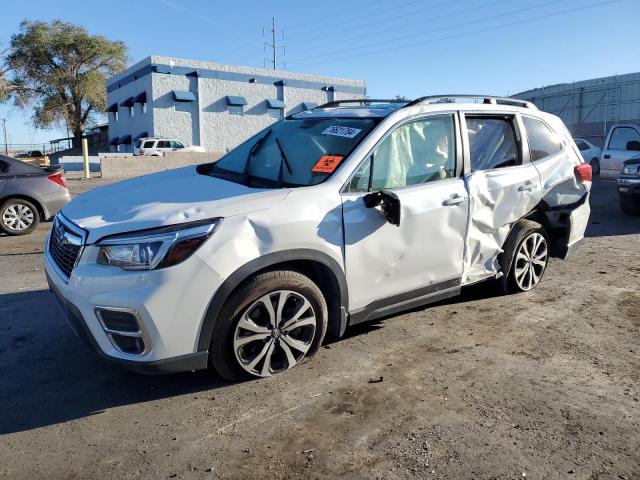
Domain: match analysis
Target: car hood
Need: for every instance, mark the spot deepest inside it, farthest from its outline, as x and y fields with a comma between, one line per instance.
x=165, y=198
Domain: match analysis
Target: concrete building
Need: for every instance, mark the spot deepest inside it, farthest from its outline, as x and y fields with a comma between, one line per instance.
x=210, y=104
x=590, y=107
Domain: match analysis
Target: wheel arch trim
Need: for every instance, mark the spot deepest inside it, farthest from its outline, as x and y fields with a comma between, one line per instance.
x=263, y=262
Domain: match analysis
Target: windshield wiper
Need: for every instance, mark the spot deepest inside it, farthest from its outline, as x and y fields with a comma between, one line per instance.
x=256, y=147
x=283, y=160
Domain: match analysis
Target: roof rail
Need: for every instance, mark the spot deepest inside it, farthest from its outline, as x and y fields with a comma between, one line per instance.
x=359, y=101
x=488, y=99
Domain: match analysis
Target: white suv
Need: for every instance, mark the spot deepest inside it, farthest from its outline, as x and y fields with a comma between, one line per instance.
x=328, y=218
x=156, y=147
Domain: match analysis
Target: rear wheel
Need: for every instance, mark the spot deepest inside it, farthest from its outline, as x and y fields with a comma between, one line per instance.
x=18, y=217
x=525, y=256
x=272, y=324
x=630, y=205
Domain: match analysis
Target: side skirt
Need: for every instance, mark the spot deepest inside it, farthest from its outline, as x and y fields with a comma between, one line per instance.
x=406, y=301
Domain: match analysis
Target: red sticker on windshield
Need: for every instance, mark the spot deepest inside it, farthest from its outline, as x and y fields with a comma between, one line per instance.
x=327, y=164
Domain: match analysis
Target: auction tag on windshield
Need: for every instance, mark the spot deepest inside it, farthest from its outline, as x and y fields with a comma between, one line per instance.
x=339, y=131
x=327, y=164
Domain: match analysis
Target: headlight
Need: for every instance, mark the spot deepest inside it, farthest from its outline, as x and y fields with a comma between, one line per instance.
x=631, y=169
x=155, y=248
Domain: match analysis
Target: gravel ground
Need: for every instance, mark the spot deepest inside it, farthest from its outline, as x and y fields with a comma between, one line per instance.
x=543, y=385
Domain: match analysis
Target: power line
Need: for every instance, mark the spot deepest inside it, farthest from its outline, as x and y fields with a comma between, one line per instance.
x=421, y=22
x=359, y=7
x=447, y=27
x=495, y=27
x=372, y=14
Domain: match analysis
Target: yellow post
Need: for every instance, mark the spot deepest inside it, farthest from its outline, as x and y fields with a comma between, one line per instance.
x=85, y=157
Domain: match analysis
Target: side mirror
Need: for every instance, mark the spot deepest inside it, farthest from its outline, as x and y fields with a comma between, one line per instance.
x=633, y=145
x=388, y=201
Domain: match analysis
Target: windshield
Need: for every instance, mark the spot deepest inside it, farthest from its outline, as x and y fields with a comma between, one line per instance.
x=292, y=152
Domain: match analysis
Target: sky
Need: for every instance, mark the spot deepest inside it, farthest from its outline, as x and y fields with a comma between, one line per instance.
x=400, y=47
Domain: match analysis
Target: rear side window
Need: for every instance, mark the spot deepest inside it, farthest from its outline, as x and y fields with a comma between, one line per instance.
x=164, y=144
x=492, y=143
x=621, y=136
x=148, y=144
x=542, y=141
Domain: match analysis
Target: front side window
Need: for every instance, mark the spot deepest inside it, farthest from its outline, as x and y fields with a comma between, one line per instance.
x=292, y=152
x=621, y=136
x=176, y=144
x=492, y=143
x=542, y=141
x=414, y=153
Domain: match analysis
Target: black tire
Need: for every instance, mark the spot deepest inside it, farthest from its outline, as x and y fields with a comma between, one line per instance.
x=595, y=167
x=13, y=205
x=222, y=354
x=630, y=205
x=522, y=231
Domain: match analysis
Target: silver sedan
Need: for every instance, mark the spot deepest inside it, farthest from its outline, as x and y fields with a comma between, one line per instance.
x=29, y=194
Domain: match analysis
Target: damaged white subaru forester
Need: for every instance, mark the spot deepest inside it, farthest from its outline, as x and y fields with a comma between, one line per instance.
x=331, y=217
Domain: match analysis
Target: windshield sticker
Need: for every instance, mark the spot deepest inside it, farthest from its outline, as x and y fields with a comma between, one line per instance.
x=338, y=131
x=327, y=163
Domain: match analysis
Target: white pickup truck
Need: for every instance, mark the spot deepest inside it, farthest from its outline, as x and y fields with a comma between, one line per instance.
x=157, y=146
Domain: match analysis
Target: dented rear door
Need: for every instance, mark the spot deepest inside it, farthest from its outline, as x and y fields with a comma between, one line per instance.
x=503, y=187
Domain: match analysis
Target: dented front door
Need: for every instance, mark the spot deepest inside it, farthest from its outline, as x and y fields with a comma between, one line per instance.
x=389, y=264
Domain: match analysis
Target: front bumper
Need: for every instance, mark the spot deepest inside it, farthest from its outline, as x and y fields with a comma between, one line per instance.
x=629, y=186
x=171, y=303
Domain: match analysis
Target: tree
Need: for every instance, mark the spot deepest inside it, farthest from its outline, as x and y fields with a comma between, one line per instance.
x=6, y=87
x=61, y=70
x=401, y=99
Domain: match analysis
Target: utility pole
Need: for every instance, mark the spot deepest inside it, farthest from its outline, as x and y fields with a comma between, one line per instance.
x=4, y=127
x=274, y=46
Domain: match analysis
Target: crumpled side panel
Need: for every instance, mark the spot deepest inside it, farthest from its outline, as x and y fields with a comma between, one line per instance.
x=497, y=201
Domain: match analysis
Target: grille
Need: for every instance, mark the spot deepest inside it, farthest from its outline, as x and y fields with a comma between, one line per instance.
x=63, y=252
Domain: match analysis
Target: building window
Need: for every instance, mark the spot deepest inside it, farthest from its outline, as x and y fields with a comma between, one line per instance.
x=143, y=107
x=183, y=106
x=131, y=111
x=115, y=116
x=275, y=113
x=236, y=110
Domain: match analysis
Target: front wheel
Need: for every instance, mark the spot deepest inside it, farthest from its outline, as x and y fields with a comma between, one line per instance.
x=629, y=205
x=525, y=256
x=273, y=323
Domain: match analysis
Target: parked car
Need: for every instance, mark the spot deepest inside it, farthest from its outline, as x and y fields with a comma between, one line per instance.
x=629, y=187
x=35, y=157
x=328, y=218
x=590, y=153
x=623, y=143
x=29, y=194
x=156, y=147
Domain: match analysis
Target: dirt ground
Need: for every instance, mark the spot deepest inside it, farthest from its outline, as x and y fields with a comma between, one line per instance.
x=542, y=385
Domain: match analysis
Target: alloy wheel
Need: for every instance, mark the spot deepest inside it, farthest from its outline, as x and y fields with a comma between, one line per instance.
x=274, y=333
x=531, y=260
x=18, y=217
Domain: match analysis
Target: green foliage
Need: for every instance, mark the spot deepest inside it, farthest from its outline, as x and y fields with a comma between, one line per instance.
x=61, y=70
x=401, y=99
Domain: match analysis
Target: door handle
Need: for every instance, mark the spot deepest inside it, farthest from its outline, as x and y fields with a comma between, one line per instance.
x=607, y=156
x=454, y=199
x=526, y=188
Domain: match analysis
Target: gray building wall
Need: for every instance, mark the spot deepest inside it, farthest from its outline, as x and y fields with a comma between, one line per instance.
x=208, y=123
x=590, y=108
